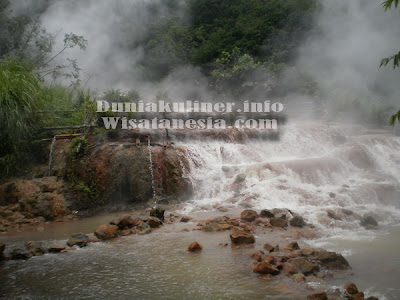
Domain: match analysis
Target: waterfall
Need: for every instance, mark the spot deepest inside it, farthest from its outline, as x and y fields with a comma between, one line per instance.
x=312, y=169
x=151, y=167
x=53, y=143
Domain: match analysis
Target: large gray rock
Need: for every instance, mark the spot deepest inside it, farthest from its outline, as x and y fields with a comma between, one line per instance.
x=20, y=253
x=79, y=239
x=368, y=222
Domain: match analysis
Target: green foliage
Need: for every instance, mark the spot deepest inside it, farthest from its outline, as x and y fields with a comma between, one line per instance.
x=394, y=118
x=387, y=5
x=395, y=58
x=79, y=148
x=239, y=73
x=20, y=95
x=91, y=191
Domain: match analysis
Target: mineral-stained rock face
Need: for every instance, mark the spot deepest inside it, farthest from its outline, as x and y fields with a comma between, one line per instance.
x=25, y=200
x=124, y=172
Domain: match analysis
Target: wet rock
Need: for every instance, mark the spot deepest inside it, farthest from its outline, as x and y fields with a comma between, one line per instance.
x=332, y=260
x=318, y=296
x=56, y=248
x=307, y=251
x=357, y=296
x=297, y=221
x=223, y=244
x=153, y=222
x=278, y=222
x=299, y=277
x=157, y=212
x=79, y=239
x=304, y=266
x=144, y=228
x=239, y=237
x=213, y=226
x=225, y=169
x=125, y=222
x=194, y=247
x=292, y=246
x=240, y=178
x=20, y=253
x=372, y=298
x=256, y=256
x=35, y=248
x=269, y=247
x=2, y=248
x=249, y=215
x=106, y=232
x=265, y=213
x=351, y=288
x=368, y=222
x=185, y=219
x=265, y=268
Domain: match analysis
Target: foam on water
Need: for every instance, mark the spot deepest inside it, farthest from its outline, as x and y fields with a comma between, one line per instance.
x=307, y=171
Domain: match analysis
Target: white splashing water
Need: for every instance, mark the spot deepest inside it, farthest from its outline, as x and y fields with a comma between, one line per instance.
x=307, y=171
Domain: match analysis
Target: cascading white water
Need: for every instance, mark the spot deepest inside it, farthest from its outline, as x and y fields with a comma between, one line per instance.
x=53, y=143
x=307, y=171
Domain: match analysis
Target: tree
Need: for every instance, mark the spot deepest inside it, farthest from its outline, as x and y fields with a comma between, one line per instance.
x=387, y=5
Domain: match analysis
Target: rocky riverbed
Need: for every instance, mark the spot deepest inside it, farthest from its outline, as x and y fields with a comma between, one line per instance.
x=273, y=243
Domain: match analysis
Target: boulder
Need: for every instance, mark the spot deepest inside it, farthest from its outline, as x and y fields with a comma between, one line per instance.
x=240, y=178
x=20, y=253
x=35, y=248
x=292, y=246
x=249, y=215
x=368, y=222
x=351, y=288
x=297, y=221
x=143, y=228
x=239, y=237
x=194, y=247
x=125, y=222
x=332, y=260
x=269, y=247
x=304, y=266
x=288, y=268
x=56, y=248
x=106, y=232
x=278, y=222
x=153, y=222
x=78, y=239
x=265, y=268
x=157, y=212
x=265, y=213
x=318, y=296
